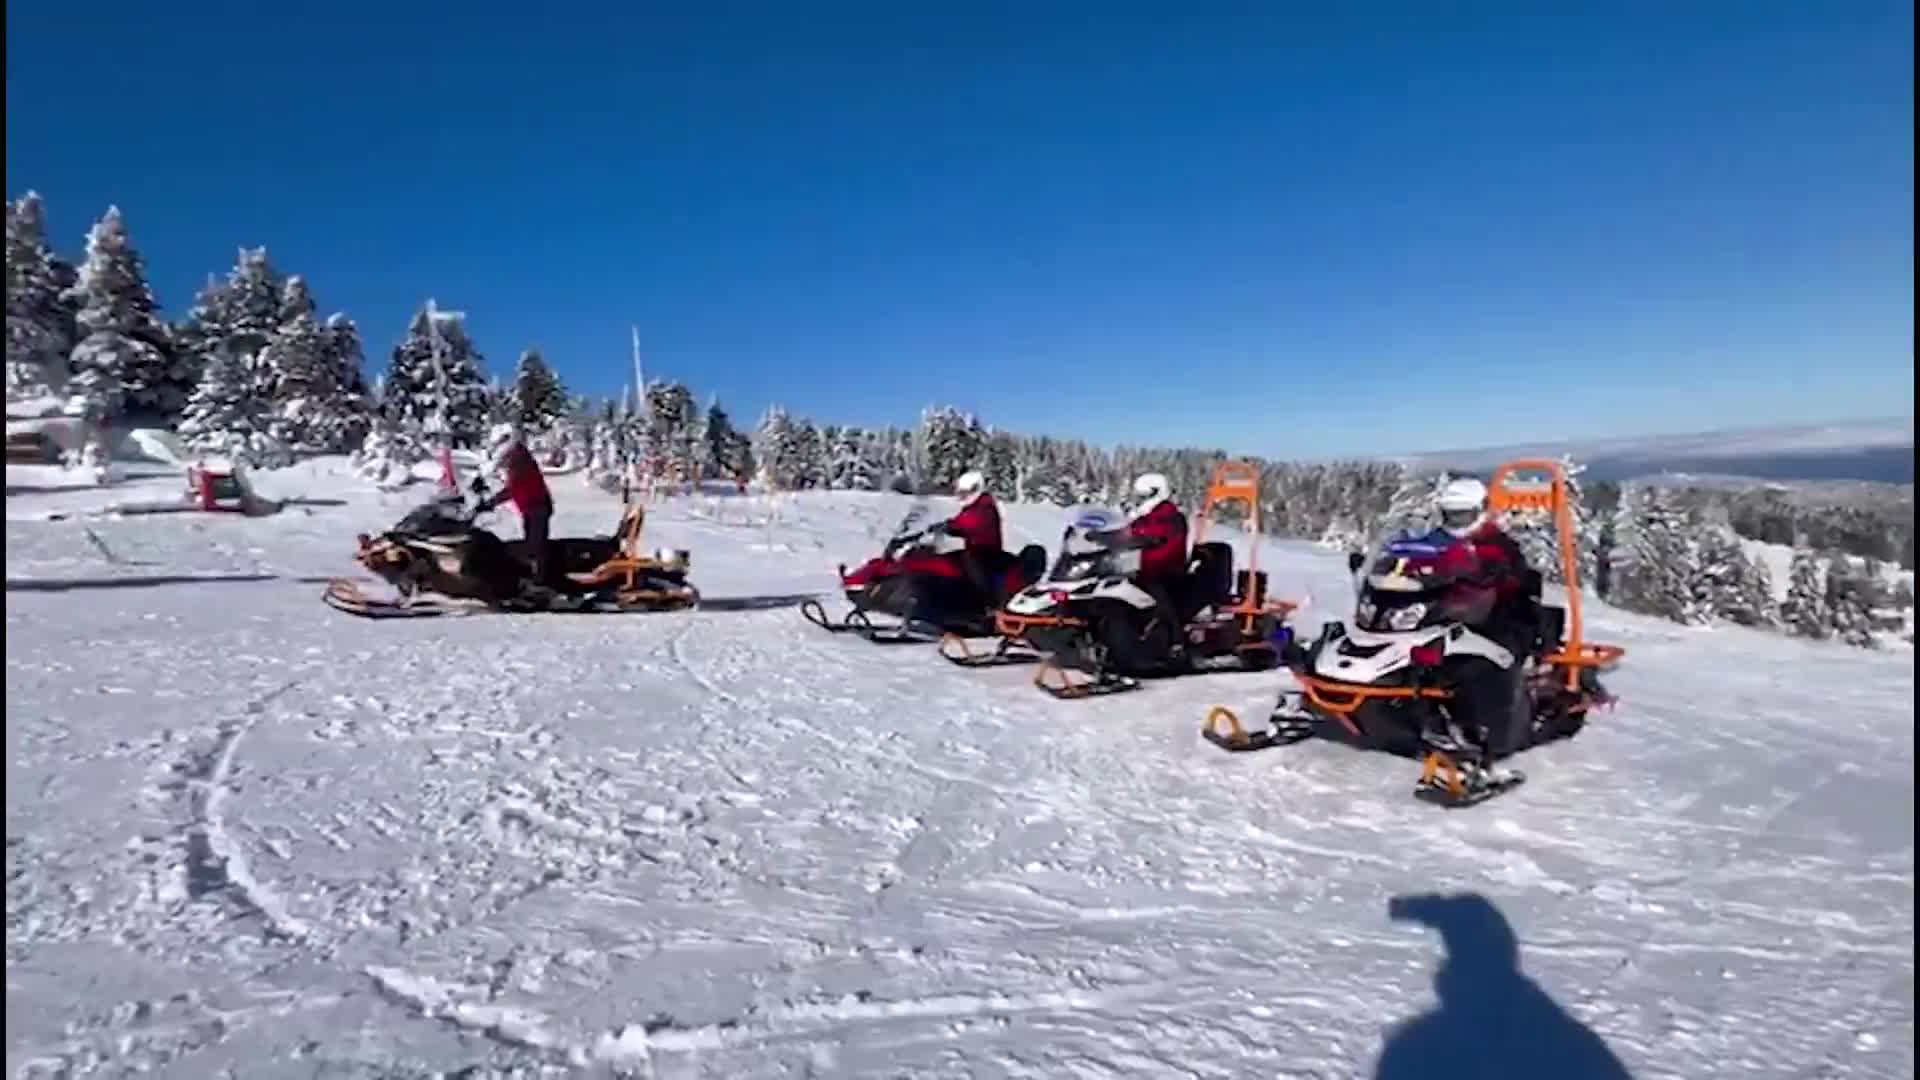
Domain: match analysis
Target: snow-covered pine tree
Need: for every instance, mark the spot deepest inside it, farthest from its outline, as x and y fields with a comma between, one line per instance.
x=809, y=456
x=951, y=442
x=304, y=388
x=40, y=328
x=296, y=299
x=1852, y=595
x=226, y=418
x=1000, y=461
x=1804, y=611
x=1655, y=558
x=539, y=398
x=123, y=362
x=388, y=453
x=721, y=456
x=775, y=448
x=349, y=416
x=1411, y=506
x=849, y=464
x=412, y=392
x=669, y=445
x=1728, y=585
x=252, y=302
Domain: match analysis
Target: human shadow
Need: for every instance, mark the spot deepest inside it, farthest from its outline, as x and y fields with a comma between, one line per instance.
x=72, y=584
x=1492, y=1019
x=753, y=603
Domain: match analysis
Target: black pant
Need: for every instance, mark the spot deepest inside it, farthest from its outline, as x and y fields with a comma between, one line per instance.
x=539, y=548
x=1163, y=604
x=1490, y=702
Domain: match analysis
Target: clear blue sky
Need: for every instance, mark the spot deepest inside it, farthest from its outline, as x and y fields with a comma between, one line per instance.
x=1254, y=226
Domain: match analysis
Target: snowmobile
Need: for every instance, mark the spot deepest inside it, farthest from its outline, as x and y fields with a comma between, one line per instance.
x=1387, y=682
x=919, y=580
x=1088, y=615
x=441, y=563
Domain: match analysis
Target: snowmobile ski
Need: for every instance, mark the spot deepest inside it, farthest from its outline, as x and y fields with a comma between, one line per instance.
x=1065, y=688
x=344, y=594
x=1223, y=729
x=1455, y=785
x=1005, y=653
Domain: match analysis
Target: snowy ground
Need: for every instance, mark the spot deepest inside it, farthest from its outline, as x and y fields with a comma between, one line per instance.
x=250, y=836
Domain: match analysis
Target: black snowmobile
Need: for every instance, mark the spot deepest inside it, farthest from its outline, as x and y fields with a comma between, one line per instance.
x=439, y=562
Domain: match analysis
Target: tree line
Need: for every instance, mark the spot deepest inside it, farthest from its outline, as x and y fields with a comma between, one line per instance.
x=252, y=372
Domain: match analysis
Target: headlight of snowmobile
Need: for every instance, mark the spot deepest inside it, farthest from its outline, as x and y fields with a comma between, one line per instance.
x=1363, y=614
x=1406, y=618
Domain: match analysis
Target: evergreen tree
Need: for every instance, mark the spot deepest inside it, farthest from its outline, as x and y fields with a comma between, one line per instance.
x=1852, y=595
x=251, y=304
x=777, y=449
x=668, y=429
x=226, y=418
x=388, y=453
x=1730, y=586
x=124, y=359
x=951, y=442
x=850, y=466
x=1655, y=558
x=1805, y=609
x=539, y=399
x=413, y=387
x=40, y=327
x=1000, y=464
x=809, y=456
x=723, y=458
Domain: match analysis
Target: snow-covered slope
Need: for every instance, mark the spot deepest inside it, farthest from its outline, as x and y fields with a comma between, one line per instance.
x=249, y=835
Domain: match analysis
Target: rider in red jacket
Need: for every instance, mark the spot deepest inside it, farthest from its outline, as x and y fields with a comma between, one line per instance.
x=1494, y=597
x=978, y=526
x=1158, y=531
x=526, y=486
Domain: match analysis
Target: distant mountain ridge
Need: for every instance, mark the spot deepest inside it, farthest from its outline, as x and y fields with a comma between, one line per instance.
x=1879, y=451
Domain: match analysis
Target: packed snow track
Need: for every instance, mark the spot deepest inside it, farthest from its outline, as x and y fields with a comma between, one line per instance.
x=251, y=836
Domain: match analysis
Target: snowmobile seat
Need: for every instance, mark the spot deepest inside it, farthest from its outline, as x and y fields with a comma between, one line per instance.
x=1032, y=563
x=1209, y=578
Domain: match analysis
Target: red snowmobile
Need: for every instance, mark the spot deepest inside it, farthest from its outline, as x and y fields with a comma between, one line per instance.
x=919, y=578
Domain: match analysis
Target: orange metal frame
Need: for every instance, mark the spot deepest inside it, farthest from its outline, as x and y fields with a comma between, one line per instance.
x=1503, y=495
x=1239, y=481
x=1341, y=700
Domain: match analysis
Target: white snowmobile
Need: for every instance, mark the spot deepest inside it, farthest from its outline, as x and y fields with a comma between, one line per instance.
x=1088, y=615
x=1388, y=682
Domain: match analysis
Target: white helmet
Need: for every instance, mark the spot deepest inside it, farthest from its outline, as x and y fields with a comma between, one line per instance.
x=970, y=482
x=1462, y=505
x=1151, y=489
x=499, y=436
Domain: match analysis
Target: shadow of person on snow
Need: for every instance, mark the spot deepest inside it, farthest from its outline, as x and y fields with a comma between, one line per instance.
x=70, y=584
x=753, y=603
x=1492, y=1020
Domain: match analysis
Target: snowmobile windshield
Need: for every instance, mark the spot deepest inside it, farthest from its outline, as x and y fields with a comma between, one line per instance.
x=444, y=515
x=1081, y=557
x=1413, y=565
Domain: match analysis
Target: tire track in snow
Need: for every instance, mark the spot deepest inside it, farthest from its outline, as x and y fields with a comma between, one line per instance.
x=215, y=861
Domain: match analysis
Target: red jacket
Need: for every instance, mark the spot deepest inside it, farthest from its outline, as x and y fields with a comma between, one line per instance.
x=978, y=524
x=1496, y=573
x=526, y=485
x=1166, y=558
